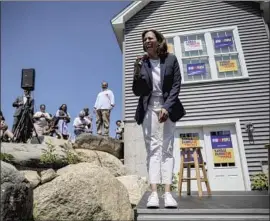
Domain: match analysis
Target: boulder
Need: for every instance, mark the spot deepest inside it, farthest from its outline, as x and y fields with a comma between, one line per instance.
x=47, y=175
x=56, y=142
x=136, y=187
x=101, y=143
x=102, y=159
x=29, y=155
x=32, y=177
x=16, y=195
x=85, y=192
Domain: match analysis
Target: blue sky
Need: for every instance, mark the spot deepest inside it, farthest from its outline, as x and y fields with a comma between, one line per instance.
x=72, y=47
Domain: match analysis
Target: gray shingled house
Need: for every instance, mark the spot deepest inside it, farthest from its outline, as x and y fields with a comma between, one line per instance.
x=223, y=51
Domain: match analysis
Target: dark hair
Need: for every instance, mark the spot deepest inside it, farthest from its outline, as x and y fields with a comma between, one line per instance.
x=118, y=121
x=1, y=114
x=162, y=49
x=42, y=105
x=61, y=107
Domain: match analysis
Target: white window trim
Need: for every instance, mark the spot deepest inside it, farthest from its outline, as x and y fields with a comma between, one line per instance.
x=210, y=53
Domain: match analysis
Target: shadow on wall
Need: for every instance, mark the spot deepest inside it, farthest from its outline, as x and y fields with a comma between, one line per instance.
x=136, y=20
x=243, y=5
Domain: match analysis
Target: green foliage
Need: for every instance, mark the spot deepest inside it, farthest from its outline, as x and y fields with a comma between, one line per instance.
x=174, y=186
x=35, y=216
x=6, y=157
x=50, y=157
x=71, y=157
x=259, y=182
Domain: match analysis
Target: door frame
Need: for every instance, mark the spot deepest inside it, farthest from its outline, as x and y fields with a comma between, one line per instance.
x=232, y=122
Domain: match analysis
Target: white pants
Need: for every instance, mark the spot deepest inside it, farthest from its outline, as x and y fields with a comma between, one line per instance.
x=159, y=138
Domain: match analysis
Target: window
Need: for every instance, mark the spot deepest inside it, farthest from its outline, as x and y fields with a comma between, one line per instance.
x=208, y=55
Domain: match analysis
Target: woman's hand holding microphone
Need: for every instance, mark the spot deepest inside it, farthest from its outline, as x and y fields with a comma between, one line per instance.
x=138, y=64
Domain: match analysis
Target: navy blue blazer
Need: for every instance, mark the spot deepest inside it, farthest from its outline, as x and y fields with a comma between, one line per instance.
x=170, y=82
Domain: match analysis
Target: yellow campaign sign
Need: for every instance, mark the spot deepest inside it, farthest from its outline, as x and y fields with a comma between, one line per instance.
x=229, y=65
x=170, y=48
x=189, y=142
x=223, y=155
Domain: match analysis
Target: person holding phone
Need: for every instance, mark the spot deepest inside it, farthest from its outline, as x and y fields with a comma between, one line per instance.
x=157, y=81
x=41, y=120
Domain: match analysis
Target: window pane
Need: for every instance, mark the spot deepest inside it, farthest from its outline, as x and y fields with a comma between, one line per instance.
x=193, y=45
x=223, y=42
x=228, y=66
x=170, y=44
x=196, y=69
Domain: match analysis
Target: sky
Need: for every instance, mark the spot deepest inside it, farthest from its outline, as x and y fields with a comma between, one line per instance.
x=71, y=46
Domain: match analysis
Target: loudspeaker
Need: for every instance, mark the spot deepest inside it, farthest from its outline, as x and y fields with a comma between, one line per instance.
x=28, y=79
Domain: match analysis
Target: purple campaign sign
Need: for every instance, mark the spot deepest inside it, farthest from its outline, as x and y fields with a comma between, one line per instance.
x=225, y=41
x=195, y=69
x=221, y=141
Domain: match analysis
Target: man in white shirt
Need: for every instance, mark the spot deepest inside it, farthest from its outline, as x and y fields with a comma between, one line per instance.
x=103, y=106
x=81, y=124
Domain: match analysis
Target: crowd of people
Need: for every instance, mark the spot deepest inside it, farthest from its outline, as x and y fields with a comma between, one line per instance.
x=56, y=125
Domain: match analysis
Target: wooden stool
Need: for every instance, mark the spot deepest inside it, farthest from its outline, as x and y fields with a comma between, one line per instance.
x=187, y=163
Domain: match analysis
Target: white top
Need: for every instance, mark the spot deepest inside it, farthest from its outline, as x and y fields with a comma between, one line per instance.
x=81, y=122
x=105, y=100
x=157, y=90
x=24, y=99
x=42, y=121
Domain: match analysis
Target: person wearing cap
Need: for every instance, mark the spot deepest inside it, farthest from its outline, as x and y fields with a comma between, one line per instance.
x=81, y=124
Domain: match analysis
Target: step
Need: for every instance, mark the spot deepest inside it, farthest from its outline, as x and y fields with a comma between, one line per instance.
x=221, y=206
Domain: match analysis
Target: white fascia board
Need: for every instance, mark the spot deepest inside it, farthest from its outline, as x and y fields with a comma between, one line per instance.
x=118, y=22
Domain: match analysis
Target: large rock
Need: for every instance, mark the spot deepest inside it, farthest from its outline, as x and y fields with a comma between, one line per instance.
x=29, y=155
x=16, y=195
x=86, y=192
x=47, y=175
x=32, y=177
x=102, y=159
x=56, y=142
x=136, y=187
x=101, y=143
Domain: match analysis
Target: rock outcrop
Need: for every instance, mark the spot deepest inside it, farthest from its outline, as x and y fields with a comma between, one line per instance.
x=102, y=159
x=85, y=192
x=47, y=175
x=30, y=155
x=101, y=143
x=136, y=187
x=32, y=177
x=16, y=195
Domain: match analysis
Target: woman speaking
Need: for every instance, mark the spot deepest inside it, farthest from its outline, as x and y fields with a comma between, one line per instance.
x=157, y=81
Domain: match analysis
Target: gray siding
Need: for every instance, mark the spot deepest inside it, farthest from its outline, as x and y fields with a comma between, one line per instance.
x=247, y=100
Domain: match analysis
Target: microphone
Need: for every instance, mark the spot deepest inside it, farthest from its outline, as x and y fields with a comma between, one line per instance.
x=138, y=64
x=142, y=58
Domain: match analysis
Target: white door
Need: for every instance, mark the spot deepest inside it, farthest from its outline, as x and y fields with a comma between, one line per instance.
x=189, y=134
x=223, y=159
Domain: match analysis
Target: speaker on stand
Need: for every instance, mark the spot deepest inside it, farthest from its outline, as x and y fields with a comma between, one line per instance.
x=28, y=79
